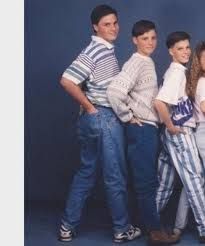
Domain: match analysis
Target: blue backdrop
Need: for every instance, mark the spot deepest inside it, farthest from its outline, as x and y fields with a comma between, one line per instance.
x=55, y=32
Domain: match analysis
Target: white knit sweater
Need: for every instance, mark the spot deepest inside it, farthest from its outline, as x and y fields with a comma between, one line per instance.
x=132, y=91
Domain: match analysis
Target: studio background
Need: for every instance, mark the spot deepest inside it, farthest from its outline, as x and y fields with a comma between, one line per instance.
x=55, y=32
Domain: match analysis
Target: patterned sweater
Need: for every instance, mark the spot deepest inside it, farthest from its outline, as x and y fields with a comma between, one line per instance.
x=132, y=91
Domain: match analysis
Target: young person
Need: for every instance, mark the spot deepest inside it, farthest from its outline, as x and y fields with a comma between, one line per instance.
x=196, y=80
x=196, y=91
x=131, y=95
x=100, y=132
x=180, y=151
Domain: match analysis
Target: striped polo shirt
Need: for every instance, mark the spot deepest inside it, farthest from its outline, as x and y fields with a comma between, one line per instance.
x=95, y=67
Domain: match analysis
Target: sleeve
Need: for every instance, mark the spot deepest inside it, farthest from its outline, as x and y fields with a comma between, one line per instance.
x=170, y=90
x=201, y=90
x=80, y=69
x=119, y=88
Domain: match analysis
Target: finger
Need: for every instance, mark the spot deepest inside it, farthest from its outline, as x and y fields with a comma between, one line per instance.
x=178, y=131
x=132, y=121
x=138, y=122
x=183, y=132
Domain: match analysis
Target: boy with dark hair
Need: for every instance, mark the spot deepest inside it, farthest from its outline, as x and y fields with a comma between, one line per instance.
x=131, y=95
x=100, y=132
x=179, y=152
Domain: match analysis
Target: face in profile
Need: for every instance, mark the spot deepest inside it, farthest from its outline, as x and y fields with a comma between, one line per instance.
x=181, y=51
x=146, y=43
x=107, y=28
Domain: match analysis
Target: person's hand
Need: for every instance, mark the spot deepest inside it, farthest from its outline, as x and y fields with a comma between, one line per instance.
x=175, y=130
x=135, y=121
x=92, y=110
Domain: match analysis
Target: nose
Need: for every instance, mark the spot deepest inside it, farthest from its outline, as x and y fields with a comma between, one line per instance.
x=187, y=51
x=113, y=27
x=150, y=42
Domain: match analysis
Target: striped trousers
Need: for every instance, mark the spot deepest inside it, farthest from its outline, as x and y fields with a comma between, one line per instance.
x=182, y=211
x=180, y=154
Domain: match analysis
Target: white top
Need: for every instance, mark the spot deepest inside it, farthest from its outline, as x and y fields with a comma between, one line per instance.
x=200, y=97
x=173, y=93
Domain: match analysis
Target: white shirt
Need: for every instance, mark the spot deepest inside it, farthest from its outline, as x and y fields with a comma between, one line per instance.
x=173, y=93
x=200, y=97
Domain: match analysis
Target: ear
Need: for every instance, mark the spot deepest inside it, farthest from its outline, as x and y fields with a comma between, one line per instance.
x=171, y=51
x=95, y=27
x=134, y=40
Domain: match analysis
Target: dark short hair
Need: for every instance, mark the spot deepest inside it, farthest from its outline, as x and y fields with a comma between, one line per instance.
x=175, y=37
x=142, y=26
x=100, y=11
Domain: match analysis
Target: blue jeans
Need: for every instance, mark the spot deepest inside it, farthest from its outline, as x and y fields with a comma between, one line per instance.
x=143, y=143
x=101, y=137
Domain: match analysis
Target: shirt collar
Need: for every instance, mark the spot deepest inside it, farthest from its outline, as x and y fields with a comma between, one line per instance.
x=143, y=57
x=178, y=65
x=102, y=41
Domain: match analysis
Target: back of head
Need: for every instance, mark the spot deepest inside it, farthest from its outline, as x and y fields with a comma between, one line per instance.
x=175, y=37
x=141, y=27
x=100, y=11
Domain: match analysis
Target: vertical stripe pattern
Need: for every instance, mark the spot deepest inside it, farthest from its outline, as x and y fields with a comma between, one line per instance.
x=184, y=157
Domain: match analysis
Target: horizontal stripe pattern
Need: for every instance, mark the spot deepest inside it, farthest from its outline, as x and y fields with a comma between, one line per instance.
x=96, y=65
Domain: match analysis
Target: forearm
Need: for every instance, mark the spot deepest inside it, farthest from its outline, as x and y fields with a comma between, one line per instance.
x=76, y=92
x=202, y=106
x=118, y=103
x=163, y=112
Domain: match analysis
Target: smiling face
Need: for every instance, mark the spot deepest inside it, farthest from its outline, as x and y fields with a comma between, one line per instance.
x=107, y=28
x=181, y=51
x=146, y=43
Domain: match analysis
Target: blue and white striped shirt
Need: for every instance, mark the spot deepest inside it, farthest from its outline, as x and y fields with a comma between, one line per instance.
x=95, y=66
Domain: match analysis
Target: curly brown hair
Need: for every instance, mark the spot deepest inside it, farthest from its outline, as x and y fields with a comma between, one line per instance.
x=195, y=71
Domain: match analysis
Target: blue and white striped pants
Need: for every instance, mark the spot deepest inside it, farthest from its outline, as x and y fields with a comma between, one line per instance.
x=180, y=155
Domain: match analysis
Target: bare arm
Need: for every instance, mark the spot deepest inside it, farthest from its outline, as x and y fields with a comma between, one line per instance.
x=76, y=92
x=202, y=106
x=163, y=112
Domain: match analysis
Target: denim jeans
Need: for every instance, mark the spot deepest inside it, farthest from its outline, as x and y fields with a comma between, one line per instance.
x=101, y=137
x=142, y=156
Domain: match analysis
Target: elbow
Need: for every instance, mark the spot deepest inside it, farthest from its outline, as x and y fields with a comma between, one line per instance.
x=62, y=82
x=66, y=84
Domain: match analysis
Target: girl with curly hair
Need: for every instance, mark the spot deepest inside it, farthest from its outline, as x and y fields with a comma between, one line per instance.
x=196, y=91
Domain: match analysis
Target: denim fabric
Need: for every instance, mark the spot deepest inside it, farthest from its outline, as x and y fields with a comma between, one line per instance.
x=102, y=143
x=143, y=143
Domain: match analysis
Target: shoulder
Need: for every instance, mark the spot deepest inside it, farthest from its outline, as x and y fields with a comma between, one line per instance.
x=134, y=63
x=201, y=84
x=95, y=50
x=201, y=80
x=174, y=73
